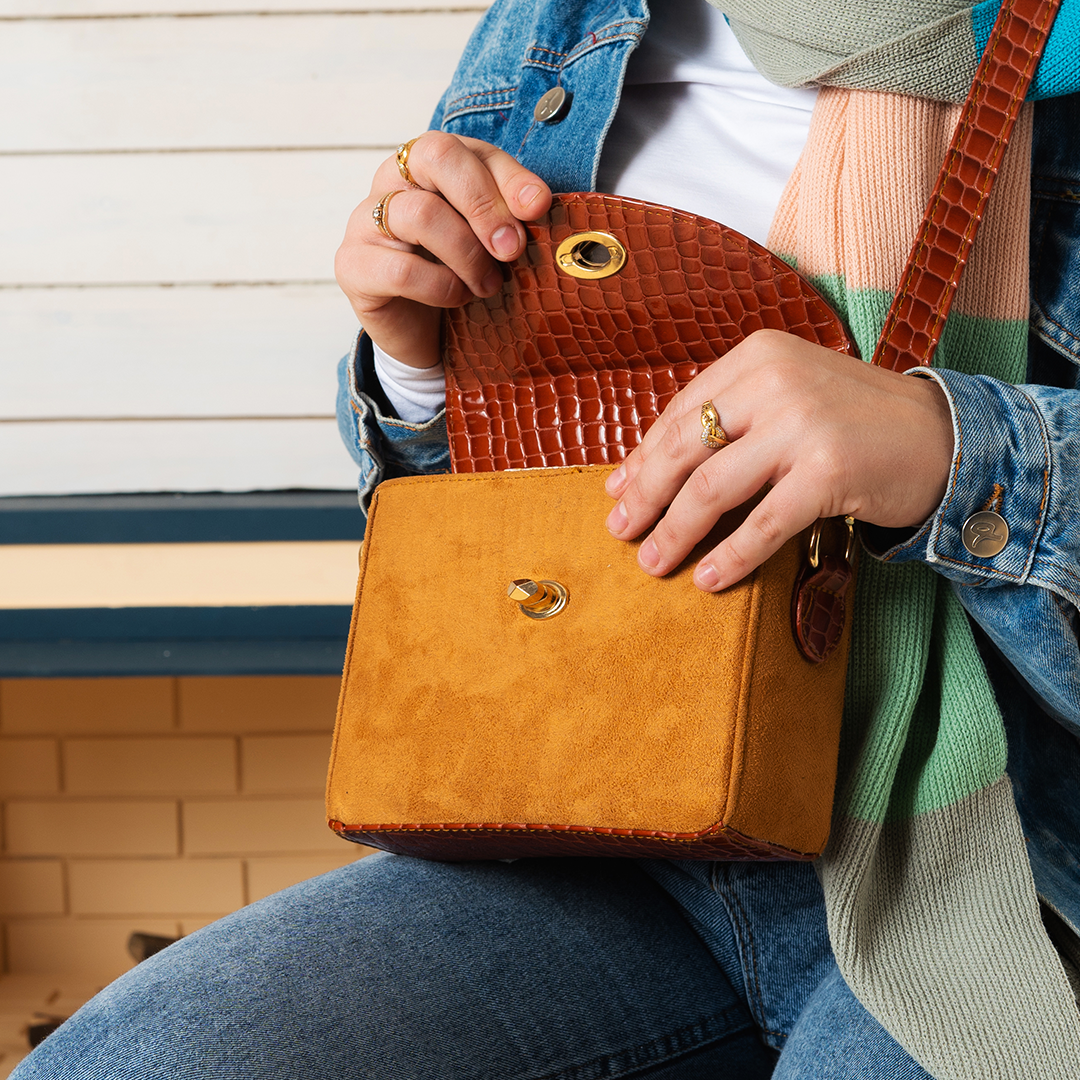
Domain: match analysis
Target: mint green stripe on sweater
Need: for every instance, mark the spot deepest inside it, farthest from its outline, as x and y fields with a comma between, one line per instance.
x=956, y=741
x=922, y=728
x=973, y=344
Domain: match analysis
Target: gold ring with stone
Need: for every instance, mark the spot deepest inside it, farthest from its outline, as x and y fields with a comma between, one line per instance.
x=403, y=161
x=380, y=212
x=712, y=434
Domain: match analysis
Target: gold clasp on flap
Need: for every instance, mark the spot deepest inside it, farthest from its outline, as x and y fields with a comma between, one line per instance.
x=538, y=599
x=590, y=255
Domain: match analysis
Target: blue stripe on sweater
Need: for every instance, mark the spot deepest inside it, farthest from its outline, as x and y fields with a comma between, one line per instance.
x=1059, y=70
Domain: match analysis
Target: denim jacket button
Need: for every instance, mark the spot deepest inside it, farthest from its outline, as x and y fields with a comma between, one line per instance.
x=553, y=106
x=985, y=534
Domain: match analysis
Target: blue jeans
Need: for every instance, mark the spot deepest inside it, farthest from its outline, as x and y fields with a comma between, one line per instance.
x=573, y=969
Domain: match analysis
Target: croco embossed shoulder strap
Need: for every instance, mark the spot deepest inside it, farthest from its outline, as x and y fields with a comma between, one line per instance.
x=942, y=245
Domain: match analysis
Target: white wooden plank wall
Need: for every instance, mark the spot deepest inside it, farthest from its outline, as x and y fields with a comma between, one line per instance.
x=176, y=176
x=110, y=9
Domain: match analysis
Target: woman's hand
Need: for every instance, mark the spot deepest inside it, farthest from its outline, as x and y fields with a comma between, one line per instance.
x=453, y=228
x=831, y=434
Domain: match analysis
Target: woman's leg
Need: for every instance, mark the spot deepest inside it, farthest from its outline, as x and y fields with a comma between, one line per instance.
x=836, y=1037
x=404, y=969
x=782, y=966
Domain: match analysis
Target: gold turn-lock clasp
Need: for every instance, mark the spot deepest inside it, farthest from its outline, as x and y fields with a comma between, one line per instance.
x=538, y=599
x=590, y=255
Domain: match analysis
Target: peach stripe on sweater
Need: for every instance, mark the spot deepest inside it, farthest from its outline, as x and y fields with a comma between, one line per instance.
x=855, y=200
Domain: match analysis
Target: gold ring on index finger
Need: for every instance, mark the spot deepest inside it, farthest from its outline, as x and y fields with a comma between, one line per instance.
x=712, y=434
x=379, y=214
x=402, y=156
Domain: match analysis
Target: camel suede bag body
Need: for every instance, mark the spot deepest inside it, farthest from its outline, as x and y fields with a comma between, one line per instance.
x=596, y=710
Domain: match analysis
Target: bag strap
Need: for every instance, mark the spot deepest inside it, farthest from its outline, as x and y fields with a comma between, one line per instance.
x=928, y=286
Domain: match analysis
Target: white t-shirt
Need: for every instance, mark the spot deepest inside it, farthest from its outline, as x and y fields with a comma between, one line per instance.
x=697, y=128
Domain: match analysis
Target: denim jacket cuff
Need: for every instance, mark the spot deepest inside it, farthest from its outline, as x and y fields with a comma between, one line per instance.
x=1001, y=462
x=381, y=444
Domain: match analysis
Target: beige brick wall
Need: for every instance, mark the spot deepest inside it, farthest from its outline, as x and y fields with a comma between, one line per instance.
x=155, y=805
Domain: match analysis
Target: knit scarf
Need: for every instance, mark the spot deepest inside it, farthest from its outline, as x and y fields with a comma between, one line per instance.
x=932, y=910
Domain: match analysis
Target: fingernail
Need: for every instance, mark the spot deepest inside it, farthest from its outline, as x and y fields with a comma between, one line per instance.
x=705, y=576
x=505, y=242
x=613, y=484
x=527, y=195
x=648, y=556
x=491, y=283
x=616, y=520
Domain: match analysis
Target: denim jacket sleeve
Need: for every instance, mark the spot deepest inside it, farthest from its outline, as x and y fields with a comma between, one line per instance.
x=1017, y=451
x=382, y=445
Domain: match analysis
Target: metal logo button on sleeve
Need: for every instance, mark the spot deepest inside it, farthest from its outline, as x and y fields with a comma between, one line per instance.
x=985, y=534
x=553, y=106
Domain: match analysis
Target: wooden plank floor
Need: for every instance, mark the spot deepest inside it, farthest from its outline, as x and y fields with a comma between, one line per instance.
x=175, y=189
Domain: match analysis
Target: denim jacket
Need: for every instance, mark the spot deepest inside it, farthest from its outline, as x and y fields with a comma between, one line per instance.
x=1020, y=444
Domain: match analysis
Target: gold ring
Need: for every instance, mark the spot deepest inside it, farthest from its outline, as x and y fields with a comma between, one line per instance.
x=403, y=161
x=712, y=434
x=380, y=212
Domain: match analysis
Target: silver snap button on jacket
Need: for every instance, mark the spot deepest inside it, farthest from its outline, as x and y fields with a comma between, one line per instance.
x=552, y=106
x=985, y=534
